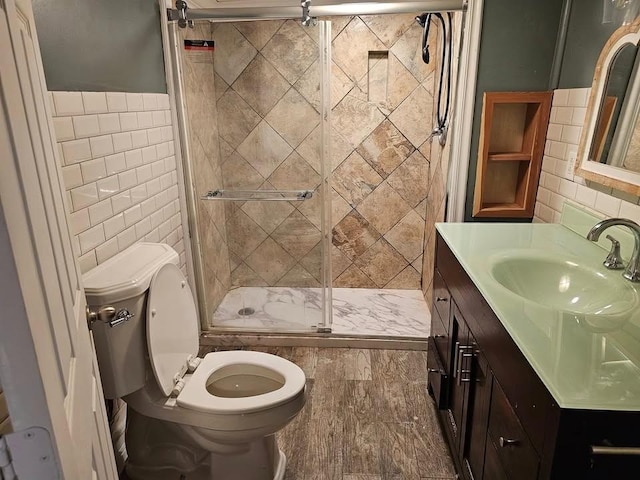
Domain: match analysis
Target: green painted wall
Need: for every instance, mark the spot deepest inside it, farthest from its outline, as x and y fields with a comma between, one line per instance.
x=101, y=45
x=586, y=35
x=516, y=54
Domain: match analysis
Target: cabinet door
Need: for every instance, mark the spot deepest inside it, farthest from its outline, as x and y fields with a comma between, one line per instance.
x=459, y=337
x=478, y=406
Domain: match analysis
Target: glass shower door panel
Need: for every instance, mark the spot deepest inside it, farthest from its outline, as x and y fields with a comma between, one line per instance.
x=272, y=129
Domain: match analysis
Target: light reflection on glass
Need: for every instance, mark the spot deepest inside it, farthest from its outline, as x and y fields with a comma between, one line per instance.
x=564, y=284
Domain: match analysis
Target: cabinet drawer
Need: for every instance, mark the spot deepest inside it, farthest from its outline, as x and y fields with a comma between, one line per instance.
x=441, y=297
x=515, y=452
x=437, y=376
x=492, y=468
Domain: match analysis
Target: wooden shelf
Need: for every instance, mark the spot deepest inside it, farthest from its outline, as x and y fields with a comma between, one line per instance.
x=517, y=157
x=512, y=136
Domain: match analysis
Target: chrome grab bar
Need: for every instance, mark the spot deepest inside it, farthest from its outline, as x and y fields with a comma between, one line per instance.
x=259, y=195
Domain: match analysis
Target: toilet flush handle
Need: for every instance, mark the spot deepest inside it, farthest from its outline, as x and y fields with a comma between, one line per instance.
x=122, y=316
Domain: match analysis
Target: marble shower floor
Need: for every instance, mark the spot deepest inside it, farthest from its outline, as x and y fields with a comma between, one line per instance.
x=356, y=311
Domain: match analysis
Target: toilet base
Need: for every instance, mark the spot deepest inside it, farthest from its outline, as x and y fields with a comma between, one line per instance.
x=201, y=473
x=169, y=451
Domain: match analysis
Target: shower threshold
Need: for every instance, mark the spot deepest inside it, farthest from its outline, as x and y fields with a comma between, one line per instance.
x=356, y=312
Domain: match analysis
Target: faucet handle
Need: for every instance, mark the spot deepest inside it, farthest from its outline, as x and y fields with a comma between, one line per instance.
x=613, y=260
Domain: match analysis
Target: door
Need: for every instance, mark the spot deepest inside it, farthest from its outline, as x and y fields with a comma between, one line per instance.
x=47, y=363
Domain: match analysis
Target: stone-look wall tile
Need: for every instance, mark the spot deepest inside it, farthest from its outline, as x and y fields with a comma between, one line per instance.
x=271, y=260
x=233, y=52
x=244, y=276
x=407, y=237
x=411, y=179
x=412, y=117
x=295, y=173
x=298, y=277
x=352, y=46
x=339, y=208
x=312, y=262
x=354, y=235
x=264, y=149
x=239, y=118
x=408, y=49
x=309, y=85
x=202, y=101
x=293, y=118
x=269, y=215
x=270, y=139
x=355, y=119
x=297, y=235
x=385, y=148
x=353, y=277
x=389, y=28
x=310, y=149
x=381, y=263
x=259, y=32
x=261, y=85
x=291, y=51
x=354, y=179
x=311, y=209
x=383, y=208
x=409, y=278
x=243, y=234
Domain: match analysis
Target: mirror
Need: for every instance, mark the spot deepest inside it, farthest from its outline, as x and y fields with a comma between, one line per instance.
x=609, y=151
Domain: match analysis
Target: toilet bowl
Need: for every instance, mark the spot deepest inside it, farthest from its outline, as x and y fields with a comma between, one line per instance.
x=211, y=418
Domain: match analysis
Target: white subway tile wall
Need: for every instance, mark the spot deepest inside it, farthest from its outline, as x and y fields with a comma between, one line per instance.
x=119, y=169
x=558, y=184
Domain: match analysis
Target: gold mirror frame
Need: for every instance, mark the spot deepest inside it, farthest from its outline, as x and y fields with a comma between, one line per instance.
x=607, y=175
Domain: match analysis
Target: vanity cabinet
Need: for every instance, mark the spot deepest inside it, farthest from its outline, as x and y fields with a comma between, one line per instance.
x=499, y=419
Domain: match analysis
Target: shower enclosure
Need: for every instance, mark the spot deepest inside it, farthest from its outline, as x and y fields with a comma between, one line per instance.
x=311, y=175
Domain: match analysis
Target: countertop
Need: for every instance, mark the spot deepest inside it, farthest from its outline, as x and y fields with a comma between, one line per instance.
x=585, y=362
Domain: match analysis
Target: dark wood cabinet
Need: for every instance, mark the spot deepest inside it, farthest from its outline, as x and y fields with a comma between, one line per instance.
x=499, y=419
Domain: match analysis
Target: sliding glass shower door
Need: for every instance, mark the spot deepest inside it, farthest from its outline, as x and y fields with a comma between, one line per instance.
x=273, y=116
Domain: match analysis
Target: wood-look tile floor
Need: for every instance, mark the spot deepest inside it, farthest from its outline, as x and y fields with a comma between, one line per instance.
x=368, y=416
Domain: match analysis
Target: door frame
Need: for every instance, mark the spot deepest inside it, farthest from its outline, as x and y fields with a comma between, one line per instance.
x=464, y=109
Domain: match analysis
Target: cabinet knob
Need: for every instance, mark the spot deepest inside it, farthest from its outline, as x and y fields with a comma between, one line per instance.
x=507, y=442
x=442, y=299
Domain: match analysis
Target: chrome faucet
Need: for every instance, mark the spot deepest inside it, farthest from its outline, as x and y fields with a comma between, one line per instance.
x=632, y=272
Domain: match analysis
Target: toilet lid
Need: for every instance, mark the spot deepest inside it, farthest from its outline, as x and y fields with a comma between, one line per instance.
x=172, y=325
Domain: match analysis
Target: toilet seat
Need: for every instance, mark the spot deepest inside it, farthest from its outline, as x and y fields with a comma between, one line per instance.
x=172, y=326
x=195, y=395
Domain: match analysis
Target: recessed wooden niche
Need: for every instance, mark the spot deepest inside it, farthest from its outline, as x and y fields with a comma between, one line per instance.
x=512, y=135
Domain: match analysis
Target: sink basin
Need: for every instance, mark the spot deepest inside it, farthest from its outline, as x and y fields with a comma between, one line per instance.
x=564, y=285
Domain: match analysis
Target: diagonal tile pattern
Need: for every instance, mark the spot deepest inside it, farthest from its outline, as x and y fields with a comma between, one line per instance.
x=268, y=102
x=293, y=118
x=233, y=52
x=260, y=85
x=264, y=149
x=291, y=51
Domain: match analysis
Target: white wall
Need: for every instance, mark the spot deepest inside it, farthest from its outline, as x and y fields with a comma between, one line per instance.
x=119, y=167
x=557, y=185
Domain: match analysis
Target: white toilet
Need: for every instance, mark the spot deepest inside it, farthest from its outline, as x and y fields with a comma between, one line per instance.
x=188, y=418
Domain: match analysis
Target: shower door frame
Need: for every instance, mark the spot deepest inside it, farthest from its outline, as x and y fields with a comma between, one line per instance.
x=463, y=111
x=175, y=82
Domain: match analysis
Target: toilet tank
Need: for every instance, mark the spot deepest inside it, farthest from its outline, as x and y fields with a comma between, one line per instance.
x=122, y=282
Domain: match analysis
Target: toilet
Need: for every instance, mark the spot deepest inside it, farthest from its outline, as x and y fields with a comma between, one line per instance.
x=188, y=418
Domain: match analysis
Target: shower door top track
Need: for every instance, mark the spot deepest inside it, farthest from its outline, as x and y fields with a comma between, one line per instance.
x=316, y=9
